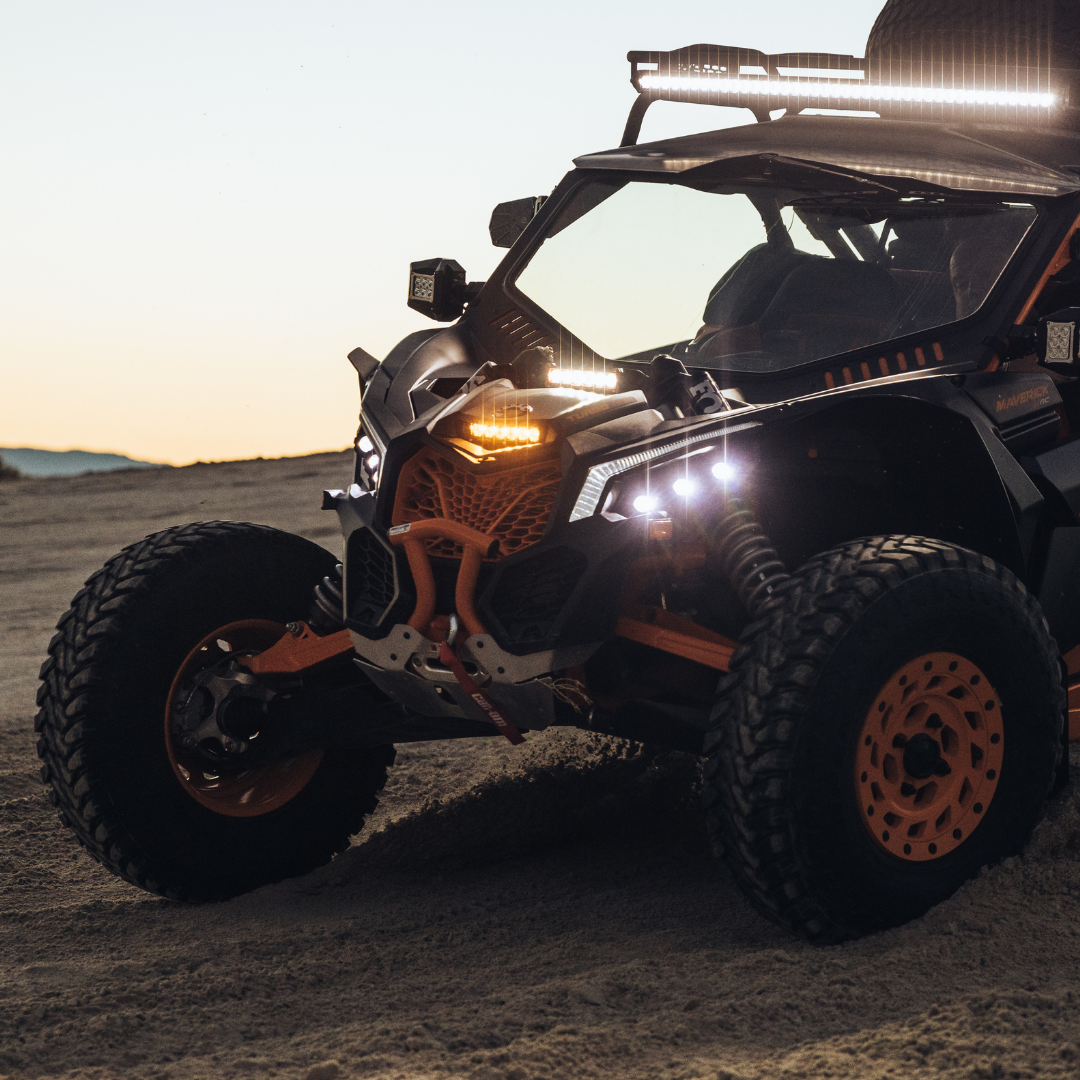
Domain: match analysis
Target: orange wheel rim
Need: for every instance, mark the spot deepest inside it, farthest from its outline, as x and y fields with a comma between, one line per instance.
x=929, y=757
x=257, y=790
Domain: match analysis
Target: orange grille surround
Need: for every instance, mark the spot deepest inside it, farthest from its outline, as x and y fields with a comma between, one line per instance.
x=513, y=505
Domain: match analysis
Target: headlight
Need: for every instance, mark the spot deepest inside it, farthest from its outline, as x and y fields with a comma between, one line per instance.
x=659, y=467
x=369, y=455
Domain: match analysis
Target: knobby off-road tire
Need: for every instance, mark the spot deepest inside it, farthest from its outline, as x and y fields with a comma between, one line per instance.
x=101, y=722
x=823, y=673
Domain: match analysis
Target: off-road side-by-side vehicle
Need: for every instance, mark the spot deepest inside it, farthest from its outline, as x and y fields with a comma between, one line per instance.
x=760, y=444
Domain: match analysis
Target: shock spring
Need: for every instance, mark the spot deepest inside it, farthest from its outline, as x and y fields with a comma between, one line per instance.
x=748, y=557
x=327, y=614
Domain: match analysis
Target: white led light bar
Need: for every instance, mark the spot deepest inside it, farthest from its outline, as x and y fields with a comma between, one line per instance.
x=589, y=497
x=852, y=92
x=582, y=380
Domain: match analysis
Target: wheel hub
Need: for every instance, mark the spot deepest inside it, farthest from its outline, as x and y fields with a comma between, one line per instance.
x=929, y=757
x=922, y=757
x=218, y=711
x=212, y=719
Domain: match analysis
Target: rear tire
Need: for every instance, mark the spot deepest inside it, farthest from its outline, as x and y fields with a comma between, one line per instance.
x=102, y=702
x=790, y=788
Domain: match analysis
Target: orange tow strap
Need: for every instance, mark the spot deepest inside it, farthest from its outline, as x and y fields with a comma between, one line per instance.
x=469, y=685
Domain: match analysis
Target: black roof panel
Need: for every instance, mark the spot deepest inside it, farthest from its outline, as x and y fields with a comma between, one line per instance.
x=934, y=155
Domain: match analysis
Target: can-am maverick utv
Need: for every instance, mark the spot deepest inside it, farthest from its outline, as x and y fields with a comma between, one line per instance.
x=735, y=408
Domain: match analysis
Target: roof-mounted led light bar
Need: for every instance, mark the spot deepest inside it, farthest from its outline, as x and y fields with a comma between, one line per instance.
x=907, y=89
x=847, y=95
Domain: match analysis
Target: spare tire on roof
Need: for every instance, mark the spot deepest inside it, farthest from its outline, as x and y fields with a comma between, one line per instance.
x=1029, y=33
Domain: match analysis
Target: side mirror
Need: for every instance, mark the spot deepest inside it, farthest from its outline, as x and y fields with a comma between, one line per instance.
x=508, y=219
x=1058, y=342
x=437, y=289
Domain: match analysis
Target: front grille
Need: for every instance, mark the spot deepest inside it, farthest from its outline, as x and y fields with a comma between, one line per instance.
x=529, y=597
x=512, y=505
x=370, y=584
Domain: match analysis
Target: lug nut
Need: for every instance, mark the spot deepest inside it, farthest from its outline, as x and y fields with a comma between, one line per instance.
x=294, y=628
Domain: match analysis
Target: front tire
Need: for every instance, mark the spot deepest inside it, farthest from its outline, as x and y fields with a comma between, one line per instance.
x=891, y=724
x=103, y=735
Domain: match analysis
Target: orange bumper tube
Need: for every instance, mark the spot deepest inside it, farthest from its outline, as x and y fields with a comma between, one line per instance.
x=476, y=545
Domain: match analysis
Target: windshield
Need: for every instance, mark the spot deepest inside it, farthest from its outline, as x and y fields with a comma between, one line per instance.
x=763, y=281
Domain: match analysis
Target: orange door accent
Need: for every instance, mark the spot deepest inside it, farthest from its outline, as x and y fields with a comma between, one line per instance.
x=294, y=653
x=671, y=633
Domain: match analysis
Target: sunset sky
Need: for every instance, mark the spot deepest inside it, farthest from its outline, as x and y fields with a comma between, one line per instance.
x=207, y=205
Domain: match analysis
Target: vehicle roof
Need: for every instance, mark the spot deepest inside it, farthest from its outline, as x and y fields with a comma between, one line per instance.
x=933, y=155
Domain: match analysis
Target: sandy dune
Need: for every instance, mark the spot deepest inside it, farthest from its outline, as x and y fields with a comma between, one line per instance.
x=543, y=912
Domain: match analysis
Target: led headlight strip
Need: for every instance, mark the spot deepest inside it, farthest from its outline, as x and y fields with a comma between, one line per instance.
x=852, y=93
x=591, y=491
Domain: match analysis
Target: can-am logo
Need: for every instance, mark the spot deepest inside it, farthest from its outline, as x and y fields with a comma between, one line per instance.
x=1013, y=401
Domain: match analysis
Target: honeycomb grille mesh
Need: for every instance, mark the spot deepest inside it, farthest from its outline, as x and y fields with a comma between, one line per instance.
x=513, y=505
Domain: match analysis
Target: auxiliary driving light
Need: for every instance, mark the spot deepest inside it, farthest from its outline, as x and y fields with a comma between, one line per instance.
x=646, y=504
x=582, y=380
x=724, y=471
x=684, y=486
x=510, y=436
x=366, y=445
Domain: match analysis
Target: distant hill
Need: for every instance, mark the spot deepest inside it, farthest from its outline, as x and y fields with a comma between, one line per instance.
x=68, y=462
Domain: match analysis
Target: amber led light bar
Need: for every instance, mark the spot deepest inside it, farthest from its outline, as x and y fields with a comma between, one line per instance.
x=508, y=436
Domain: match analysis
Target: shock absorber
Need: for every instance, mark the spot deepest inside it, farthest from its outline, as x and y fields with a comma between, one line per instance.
x=327, y=612
x=747, y=557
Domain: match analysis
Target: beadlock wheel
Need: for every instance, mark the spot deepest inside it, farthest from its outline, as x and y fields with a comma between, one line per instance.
x=158, y=615
x=929, y=757
x=892, y=723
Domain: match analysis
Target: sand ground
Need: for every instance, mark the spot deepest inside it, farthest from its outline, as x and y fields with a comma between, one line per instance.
x=549, y=911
